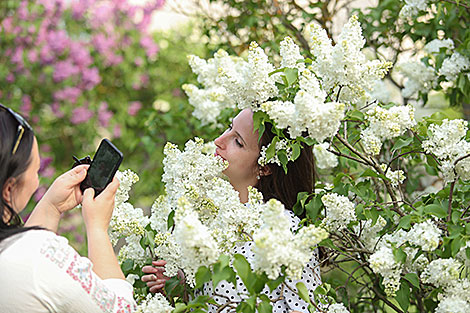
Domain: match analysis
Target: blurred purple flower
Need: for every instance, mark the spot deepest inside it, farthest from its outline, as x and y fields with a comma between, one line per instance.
x=117, y=131
x=102, y=13
x=17, y=57
x=55, y=107
x=63, y=70
x=58, y=41
x=90, y=78
x=7, y=24
x=26, y=107
x=102, y=43
x=10, y=78
x=80, y=54
x=45, y=170
x=114, y=59
x=39, y=193
x=134, y=108
x=104, y=115
x=23, y=12
x=69, y=94
x=151, y=48
x=46, y=55
x=45, y=148
x=79, y=238
x=32, y=56
x=81, y=115
x=79, y=8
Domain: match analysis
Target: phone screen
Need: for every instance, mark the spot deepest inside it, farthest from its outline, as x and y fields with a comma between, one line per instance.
x=103, y=167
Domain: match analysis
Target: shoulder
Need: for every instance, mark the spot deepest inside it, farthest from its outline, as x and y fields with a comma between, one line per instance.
x=293, y=219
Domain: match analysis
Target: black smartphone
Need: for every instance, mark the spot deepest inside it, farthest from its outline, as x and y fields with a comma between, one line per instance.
x=103, y=167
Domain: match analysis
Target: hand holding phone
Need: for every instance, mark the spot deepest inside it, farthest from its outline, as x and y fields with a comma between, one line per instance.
x=103, y=167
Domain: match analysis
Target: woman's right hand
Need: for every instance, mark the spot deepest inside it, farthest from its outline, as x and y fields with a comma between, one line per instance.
x=156, y=279
x=97, y=211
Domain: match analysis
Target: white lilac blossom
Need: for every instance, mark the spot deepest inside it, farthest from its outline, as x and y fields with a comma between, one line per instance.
x=420, y=78
x=126, y=180
x=276, y=246
x=340, y=211
x=324, y=159
x=386, y=124
x=441, y=272
x=133, y=250
x=344, y=64
x=383, y=262
x=337, y=308
x=209, y=218
x=462, y=254
x=447, y=142
x=198, y=247
x=452, y=66
x=396, y=177
x=380, y=92
x=369, y=234
x=413, y=7
x=290, y=54
x=425, y=235
x=155, y=304
x=453, y=304
x=435, y=45
x=280, y=145
x=208, y=103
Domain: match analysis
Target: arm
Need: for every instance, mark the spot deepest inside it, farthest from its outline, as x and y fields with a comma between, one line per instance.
x=63, y=195
x=97, y=214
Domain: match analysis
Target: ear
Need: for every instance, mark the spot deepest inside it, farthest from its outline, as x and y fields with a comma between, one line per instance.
x=7, y=191
x=264, y=171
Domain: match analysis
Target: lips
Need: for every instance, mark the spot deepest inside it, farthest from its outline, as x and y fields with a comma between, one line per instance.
x=218, y=154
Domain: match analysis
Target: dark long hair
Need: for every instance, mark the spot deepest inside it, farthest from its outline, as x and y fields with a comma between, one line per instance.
x=285, y=187
x=12, y=166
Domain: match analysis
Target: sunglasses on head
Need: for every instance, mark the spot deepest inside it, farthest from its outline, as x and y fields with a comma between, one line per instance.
x=22, y=125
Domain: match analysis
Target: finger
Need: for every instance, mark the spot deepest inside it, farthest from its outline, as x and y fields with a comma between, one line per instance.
x=149, y=278
x=77, y=174
x=156, y=288
x=159, y=263
x=89, y=194
x=149, y=269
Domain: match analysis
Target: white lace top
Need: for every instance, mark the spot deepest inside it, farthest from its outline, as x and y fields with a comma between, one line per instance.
x=310, y=277
x=41, y=272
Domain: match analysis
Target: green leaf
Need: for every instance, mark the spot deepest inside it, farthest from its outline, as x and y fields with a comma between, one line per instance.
x=243, y=270
x=171, y=221
x=403, y=296
x=203, y=275
x=399, y=255
x=313, y=207
x=303, y=292
x=265, y=305
x=295, y=151
x=273, y=284
x=400, y=143
x=456, y=244
x=271, y=150
x=291, y=75
x=127, y=265
x=436, y=210
x=405, y=222
x=370, y=173
x=413, y=279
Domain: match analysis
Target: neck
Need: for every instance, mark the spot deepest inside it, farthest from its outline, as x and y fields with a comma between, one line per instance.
x=242, y=191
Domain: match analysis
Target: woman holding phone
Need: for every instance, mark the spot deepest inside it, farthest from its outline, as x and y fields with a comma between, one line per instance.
x=239, y=146
x=40, y=271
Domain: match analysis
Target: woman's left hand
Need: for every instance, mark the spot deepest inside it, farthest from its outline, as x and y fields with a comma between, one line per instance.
x=64, y=193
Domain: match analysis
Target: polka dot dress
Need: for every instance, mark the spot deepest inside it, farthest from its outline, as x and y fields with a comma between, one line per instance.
x=226, y=292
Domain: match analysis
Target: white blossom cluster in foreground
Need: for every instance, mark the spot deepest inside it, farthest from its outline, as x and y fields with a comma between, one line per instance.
x=425, y=236
x=201, y=217
x=386, y=124
x=155, y=304
x=447, y=142
x=276, y=246
x=231, y=81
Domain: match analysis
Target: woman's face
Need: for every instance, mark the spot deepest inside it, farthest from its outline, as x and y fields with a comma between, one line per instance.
x=28, y=182
x=239, y=146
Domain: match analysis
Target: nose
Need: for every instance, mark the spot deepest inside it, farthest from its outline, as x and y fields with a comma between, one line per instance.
x=220, y=141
